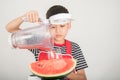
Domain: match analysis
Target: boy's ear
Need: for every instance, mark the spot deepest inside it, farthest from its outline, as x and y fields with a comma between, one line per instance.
x=69, y=25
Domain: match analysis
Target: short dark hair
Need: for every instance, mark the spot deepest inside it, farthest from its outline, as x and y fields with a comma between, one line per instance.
x=55, y=10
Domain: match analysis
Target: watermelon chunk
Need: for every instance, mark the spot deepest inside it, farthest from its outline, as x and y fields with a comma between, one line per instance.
x=54, y=68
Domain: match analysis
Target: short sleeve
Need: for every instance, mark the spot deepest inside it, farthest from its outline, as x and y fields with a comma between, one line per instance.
x=35, y=52
x=78, y=55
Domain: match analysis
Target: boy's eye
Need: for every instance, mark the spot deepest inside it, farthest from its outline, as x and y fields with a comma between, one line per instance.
x=62, y=25
x=52, y=26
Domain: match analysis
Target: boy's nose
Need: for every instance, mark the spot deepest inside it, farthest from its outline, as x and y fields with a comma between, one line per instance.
x=58, y=29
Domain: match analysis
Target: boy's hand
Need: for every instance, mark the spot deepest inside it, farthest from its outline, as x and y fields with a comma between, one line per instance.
x=32, y=16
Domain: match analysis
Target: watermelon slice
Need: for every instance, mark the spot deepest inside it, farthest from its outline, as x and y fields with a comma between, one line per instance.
x=53, y=68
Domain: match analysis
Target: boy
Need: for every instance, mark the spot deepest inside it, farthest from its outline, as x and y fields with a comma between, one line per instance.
x=60, y=23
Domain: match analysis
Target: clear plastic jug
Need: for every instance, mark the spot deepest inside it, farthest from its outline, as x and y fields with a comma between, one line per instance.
x=38, y=37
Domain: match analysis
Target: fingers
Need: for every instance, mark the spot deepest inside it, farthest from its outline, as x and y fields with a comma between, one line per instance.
x=32, y=16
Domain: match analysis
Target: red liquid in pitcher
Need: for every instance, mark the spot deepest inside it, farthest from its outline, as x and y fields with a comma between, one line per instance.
x=33, y=47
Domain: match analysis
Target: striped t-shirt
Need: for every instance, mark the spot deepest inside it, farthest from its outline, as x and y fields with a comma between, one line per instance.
x=76, y=53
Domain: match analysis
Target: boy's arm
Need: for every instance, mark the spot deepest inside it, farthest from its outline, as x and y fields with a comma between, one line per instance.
x=80, y=75
x=13, y=25
x=31, y=16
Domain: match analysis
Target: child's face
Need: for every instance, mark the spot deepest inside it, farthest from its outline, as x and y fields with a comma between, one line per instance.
x=59, y=31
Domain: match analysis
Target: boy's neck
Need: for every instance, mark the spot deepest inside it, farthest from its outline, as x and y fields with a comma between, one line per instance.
x=59, y=42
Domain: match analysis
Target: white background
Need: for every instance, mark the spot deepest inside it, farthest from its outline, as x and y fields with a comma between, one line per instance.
x=96, y=28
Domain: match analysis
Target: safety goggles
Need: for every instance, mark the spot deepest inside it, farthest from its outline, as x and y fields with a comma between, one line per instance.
x=61, y=18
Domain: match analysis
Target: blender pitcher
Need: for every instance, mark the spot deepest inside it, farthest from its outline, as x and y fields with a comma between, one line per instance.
x=38, y=37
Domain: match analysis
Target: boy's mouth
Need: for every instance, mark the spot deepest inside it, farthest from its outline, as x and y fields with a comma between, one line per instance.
x=58, y=35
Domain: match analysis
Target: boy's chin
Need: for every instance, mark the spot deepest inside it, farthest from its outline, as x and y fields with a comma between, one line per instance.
x=59, y=40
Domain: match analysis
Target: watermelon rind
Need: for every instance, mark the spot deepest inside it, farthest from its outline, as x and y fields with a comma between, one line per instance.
x=55, y=76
